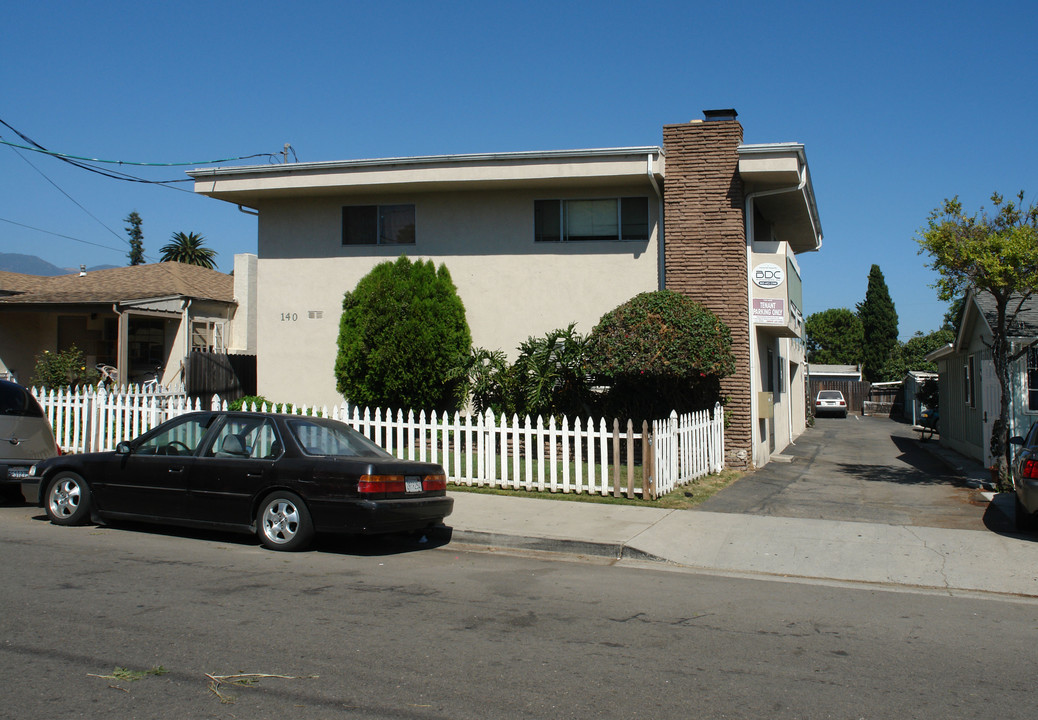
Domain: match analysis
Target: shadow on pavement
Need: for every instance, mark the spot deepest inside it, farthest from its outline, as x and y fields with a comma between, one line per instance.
x=357, y=545
x=1000, y=518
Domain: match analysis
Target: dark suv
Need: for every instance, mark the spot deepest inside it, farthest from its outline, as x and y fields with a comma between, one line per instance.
x=25, y=438
x=1025, y=479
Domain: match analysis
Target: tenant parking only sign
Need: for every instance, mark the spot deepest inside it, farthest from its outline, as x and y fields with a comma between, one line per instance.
x=769, y=311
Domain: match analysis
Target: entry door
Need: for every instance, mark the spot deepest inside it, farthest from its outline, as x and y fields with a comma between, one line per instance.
x=153, y=479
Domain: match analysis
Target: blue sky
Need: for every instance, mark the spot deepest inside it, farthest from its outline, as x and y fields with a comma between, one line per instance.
x=899, y=105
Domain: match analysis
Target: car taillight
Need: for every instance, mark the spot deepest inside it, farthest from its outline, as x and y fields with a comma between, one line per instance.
x=1029, y=469
x=381, y=484
x=842, y=402
x=370, y=484
x=434, y=482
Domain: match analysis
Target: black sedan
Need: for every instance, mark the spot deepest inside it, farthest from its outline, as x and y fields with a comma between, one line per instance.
x=282, y=477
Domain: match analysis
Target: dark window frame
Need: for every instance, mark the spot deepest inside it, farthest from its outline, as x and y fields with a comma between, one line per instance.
x=627, y=230
x=358, y=229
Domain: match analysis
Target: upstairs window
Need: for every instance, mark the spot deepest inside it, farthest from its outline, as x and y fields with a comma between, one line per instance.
x=378, y=225
x=589, y=220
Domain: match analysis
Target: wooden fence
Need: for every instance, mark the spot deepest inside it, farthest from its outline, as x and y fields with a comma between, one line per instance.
x=213, y=373
x=484, y=450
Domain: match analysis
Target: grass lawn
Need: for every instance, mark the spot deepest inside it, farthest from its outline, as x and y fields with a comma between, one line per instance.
x=685, y=497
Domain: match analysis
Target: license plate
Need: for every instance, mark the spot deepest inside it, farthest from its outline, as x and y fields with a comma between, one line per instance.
x=413, y=485
x=18, y=472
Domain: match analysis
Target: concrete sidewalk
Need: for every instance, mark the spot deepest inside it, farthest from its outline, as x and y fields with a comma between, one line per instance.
x=964, y=560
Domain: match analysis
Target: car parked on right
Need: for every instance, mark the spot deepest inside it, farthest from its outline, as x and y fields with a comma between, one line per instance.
x=830, y=402
x=1025, y=479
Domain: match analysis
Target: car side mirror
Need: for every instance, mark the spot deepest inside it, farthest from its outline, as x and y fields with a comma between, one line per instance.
x=123, y=448
x=1016, y=440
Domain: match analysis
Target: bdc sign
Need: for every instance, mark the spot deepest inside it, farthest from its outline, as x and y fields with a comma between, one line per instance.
x=768, y=275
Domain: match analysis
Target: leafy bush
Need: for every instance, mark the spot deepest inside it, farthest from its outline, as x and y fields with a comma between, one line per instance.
x=485, y=377
x=659, y=351
x=63, y=369
x=248, y=401
x=402, y=332
x=548, y=377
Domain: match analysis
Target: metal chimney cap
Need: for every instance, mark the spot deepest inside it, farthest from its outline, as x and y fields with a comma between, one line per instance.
x=719, y=115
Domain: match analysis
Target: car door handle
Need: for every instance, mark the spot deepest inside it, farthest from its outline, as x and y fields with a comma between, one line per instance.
x=177, y=469
x=254, y=475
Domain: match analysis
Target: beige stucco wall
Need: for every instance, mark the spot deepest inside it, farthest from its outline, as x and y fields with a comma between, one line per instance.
x=22, y=335
x=512, y=287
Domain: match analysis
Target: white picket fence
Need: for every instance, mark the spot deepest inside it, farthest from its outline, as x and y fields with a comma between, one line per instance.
x=568, y=456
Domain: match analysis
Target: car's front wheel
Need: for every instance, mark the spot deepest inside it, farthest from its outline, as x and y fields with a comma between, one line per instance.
x=284, y=523
x=68, y=499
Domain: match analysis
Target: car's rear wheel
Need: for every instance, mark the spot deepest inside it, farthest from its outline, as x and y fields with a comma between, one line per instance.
x=68, y=499
x=1025, y=521
x=284, y=523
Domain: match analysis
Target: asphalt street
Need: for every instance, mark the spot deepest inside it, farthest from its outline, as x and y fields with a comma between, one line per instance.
x=395, y=629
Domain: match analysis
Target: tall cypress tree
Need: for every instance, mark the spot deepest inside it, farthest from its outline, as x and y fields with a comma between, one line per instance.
x=136, y=253
x=879, y=325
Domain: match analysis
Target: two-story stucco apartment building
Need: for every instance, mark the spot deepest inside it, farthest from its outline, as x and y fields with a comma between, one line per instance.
x=537, y=240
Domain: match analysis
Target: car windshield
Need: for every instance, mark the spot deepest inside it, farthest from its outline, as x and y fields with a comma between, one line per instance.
x=15, y=400
x=329, y=437
x=830, y=395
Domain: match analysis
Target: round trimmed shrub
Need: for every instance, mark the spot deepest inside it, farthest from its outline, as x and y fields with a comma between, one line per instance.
x=657, y=352
x=402, y=332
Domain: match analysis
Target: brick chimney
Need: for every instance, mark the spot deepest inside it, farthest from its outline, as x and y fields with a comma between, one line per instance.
x=705, y=246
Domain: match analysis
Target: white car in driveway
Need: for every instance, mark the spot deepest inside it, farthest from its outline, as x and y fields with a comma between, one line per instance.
x=830, y=402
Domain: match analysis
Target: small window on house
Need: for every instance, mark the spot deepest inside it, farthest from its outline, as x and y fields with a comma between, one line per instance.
x=1032, y=379
x=378, y=225
x=590, y=220
x=207, y=335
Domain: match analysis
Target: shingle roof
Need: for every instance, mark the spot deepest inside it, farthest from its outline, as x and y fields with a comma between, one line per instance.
x=1026, y=324
x=135, y=282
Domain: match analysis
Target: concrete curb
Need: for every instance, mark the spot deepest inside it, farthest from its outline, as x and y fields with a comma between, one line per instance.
x=615, y=551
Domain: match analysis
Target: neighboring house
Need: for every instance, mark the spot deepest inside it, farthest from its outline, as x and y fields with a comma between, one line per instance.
x=537, y=240
x=969, y=392
x=139, y=318
x=834, y=373
x=912, y=406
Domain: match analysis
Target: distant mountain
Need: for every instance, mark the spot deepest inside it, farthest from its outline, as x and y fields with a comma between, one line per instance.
x=32, y=265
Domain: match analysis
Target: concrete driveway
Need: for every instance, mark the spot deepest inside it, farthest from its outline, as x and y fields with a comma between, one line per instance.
x=860, y=469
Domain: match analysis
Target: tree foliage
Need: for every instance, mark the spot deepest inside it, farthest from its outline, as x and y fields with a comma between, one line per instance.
x=402, y=335
x=188, y=248
x=879, y=327
x=834, y=337
x=660, y=351
x=989, y=253
x=136, y=253
x=911, y=354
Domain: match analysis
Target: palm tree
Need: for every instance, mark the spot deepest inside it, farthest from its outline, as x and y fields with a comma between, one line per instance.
x=188, y=248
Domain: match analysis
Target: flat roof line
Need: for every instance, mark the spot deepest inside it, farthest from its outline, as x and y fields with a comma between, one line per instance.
x=429, y=159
